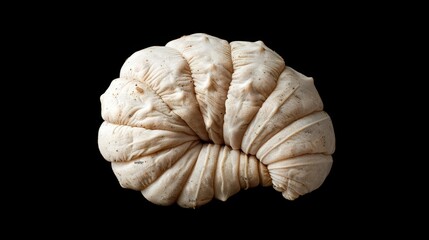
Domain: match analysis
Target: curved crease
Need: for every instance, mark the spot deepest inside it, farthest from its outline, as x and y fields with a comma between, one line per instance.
x=171, y=110
x=138, y=178
x=234, y=67
x=274, y=111
x=292, y=134
x=193, y=84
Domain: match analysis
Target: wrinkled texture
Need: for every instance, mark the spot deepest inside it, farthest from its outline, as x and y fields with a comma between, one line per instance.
x=202, y=118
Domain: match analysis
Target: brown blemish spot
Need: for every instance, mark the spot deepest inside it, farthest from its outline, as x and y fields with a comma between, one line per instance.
x=140, y=90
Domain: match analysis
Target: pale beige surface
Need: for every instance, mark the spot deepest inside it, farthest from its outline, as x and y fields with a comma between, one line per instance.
x=201, y=119
x=211, y=68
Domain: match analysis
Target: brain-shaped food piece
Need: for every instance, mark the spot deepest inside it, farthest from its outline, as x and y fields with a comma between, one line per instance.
x=202, y=118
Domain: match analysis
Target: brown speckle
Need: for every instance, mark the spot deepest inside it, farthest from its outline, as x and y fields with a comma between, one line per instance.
x=140, y=90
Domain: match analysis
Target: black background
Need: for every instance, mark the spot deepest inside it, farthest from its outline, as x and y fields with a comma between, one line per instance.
x=344, y=53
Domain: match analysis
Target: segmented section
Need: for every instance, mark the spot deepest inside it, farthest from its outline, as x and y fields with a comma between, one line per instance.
x=165, y=71
x=211, y=66
x=191, y=174
x=308, y=135
x=139, y=173
x=256, y=71
x=167, y=188
x=121, y=143
x=300, y=175
x=205, y=172
x=134, y=103
x=299, y=156
x=294, y=97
